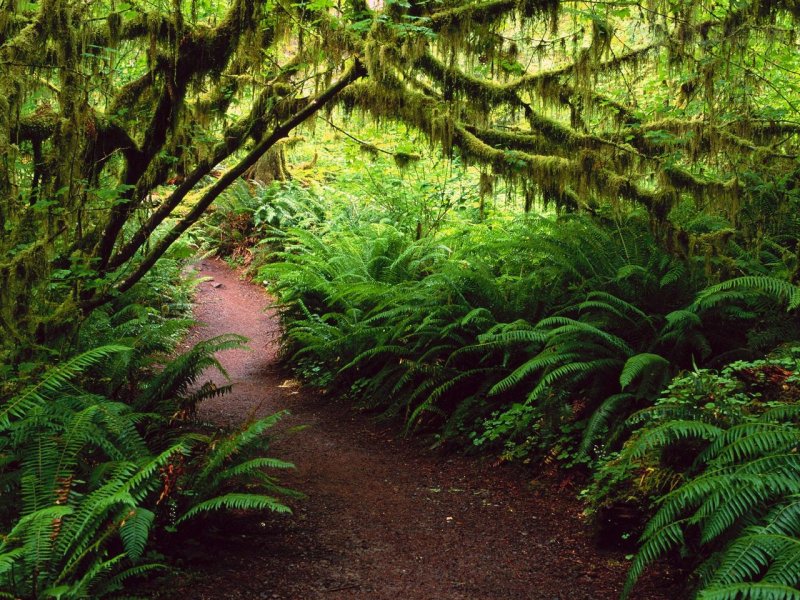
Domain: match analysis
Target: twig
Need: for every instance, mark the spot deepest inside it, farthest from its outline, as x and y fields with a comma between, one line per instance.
x=341, y=588
x=354, y=138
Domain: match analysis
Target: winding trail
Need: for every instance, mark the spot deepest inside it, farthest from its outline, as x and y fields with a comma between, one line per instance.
x=384, y=518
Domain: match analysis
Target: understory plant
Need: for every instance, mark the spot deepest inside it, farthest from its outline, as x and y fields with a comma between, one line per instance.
x=243, y=219
x=99, y=455
x=534, y=337
x=719, y=454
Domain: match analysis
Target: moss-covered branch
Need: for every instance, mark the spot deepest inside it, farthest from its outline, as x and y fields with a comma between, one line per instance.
x=457, y=18
x=355, y=71
x=231, y=140
x=496, y=93
x=198, y=53
x=551, y=156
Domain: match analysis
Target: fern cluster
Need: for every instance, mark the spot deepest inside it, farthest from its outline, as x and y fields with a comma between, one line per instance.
x=537, y=338
x=247, y=213
x=448, y=331
x=720, y=451
x=97, y=455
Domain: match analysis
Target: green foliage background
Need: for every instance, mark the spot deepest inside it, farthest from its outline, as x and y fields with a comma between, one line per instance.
x=519, y=225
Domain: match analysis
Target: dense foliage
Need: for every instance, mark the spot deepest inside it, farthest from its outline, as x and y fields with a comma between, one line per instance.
x=574, y=104
x=647, y=152
x=720, y=451
x=98, y=457
x=555, y=339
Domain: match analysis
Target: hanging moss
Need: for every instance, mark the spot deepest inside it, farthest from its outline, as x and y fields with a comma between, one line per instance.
x=404, y=159
x=512, y=85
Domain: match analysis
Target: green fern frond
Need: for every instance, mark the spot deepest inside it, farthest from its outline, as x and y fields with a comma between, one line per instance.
x=479, y=315
x=519, y=336
x=782, y=413
x=655, y=546
x=543, y=360
x=115, y=582
x=670, y=432
x=53, y=381
x=778, y=289
x=750, y=591
x=747, y=440
x=179, y=374
x=630, y=310
x=683, y=319
x=443, y=388
x=563, y=326
x=735, y=496
x=250, y=468
x=785, y=567
x=94, y=575
x=674, y=275
x=784, y=519
x=140, y=481
x=742, y=561
x=8, y=561
x=575, y=371
x=600, y=419
x=639, y=365
x=235, y=502
x=234, y=443
x=135, y=530
x=44, y=515
x=393, y=350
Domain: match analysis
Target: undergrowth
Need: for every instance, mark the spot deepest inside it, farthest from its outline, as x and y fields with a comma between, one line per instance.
x=564, y=341
x=99, y=455
x=718, y=452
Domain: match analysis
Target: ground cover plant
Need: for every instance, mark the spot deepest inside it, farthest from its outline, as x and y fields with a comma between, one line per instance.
x=719, y=450
x=99, y=457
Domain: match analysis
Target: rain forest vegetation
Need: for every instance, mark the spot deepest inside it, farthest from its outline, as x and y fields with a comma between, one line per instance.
x=99, y=456
x=569, y=226
x=572, y=342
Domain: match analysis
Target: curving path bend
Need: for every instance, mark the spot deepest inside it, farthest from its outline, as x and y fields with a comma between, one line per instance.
x=384, y=518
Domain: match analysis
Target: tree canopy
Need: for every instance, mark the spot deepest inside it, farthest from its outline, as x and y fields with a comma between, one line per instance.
x=581, y=105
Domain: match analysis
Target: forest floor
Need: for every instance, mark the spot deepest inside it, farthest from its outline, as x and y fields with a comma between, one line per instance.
x=384, y=518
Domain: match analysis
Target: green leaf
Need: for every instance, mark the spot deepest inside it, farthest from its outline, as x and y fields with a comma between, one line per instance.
x=135, y=530
x=641, y=365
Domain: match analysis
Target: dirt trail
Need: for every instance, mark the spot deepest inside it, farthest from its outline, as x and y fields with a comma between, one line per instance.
x=384, y=519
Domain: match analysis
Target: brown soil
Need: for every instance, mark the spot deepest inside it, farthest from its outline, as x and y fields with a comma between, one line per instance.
x=383, y=517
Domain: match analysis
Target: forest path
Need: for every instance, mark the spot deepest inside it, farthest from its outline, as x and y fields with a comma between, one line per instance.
x=384, y=519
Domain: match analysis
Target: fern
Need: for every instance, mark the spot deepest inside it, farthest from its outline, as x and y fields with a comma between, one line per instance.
x=87, y=471
x=235, y=502
x=655, y=546
x=177, y=377
x=777, y=289
x=667, y=433
x=750, y=591
x=575, y=371
x=741, y=491
x=543, y=360
x=639, y=365
x=55, y=379
x=601, y=418
x=249, y=467
x=134, y=531
x=372, y=353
